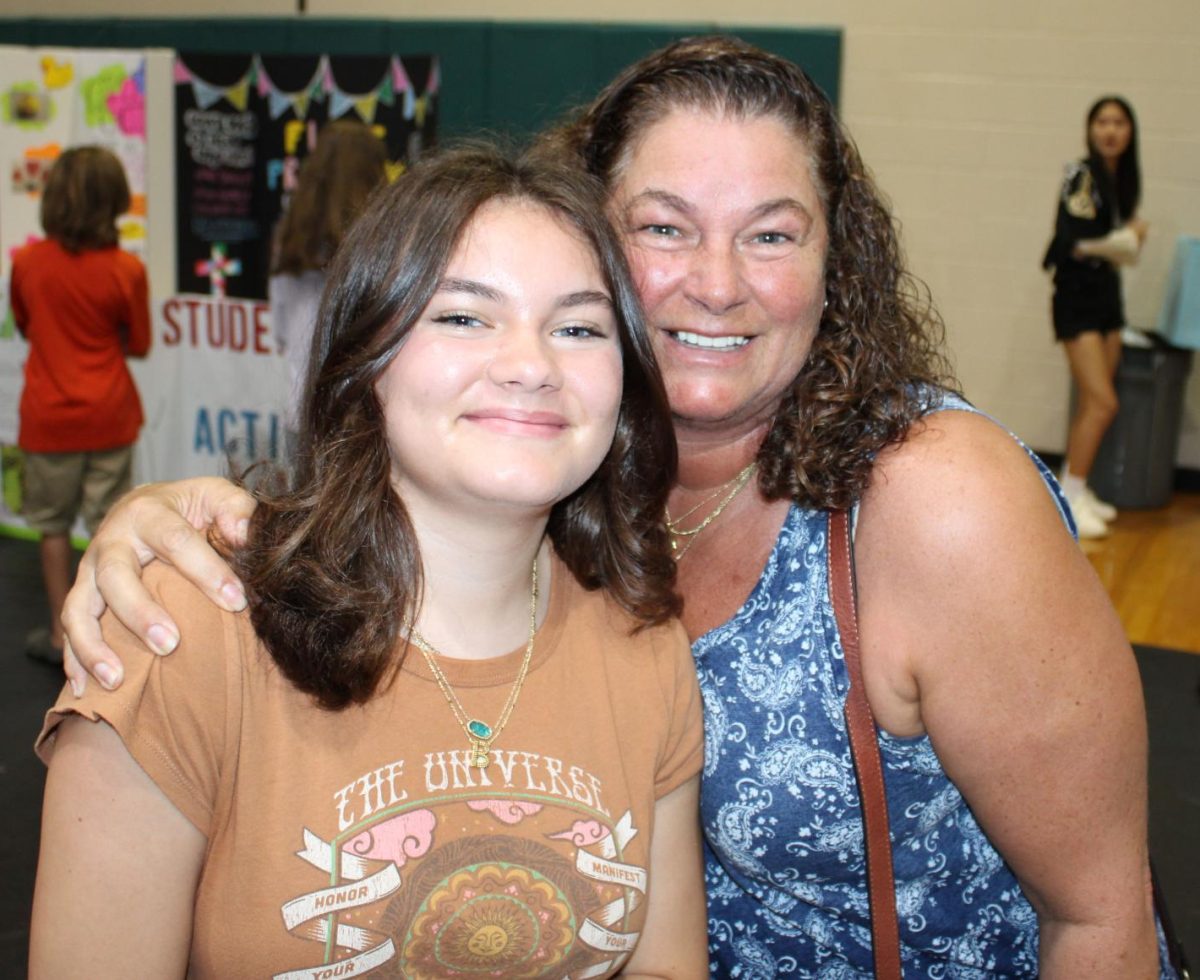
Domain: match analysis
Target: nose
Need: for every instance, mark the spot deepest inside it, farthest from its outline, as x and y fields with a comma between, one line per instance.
x=524, y=359
x=714, y=280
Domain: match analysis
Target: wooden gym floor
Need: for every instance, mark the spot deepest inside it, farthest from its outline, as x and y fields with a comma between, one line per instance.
x=1150, y=565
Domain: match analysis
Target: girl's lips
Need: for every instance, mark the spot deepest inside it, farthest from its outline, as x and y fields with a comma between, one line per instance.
x=518, y=422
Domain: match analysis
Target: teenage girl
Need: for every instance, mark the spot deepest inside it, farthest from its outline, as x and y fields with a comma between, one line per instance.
x=1096, y=230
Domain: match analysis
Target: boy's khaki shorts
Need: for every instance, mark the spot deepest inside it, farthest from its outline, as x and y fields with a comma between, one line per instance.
x=59, y=486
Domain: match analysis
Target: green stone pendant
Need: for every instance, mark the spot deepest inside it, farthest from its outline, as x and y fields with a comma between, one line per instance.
x=479, y=730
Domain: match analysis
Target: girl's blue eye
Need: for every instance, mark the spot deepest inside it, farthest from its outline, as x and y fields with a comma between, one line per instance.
x=579, y=330
x=457, y=319
x=664, y=230
x=772, y=238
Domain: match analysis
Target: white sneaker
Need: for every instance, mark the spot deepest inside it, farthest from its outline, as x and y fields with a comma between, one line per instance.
x=1088, y=523
x=1101, y=508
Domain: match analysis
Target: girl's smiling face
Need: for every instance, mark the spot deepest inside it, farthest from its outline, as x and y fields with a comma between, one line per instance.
x=505, y=393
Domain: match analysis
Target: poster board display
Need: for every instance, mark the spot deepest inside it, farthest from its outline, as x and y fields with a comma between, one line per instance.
x=243, y=125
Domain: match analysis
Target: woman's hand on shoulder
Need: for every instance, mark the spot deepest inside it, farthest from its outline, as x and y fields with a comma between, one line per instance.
x=979, y=607
x=167, y=521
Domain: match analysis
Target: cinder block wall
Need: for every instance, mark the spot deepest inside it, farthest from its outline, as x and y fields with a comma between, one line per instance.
x=967, y=112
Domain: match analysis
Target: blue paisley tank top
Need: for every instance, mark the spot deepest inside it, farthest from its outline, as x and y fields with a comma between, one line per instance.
x=784, y=848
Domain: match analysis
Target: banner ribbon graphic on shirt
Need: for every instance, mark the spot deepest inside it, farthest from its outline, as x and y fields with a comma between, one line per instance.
x=594, y=930
x=307, y=916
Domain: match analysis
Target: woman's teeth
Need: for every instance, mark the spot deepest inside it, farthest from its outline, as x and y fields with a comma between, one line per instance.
x=709, y=343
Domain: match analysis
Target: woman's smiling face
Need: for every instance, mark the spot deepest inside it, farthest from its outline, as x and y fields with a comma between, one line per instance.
x=726, y=235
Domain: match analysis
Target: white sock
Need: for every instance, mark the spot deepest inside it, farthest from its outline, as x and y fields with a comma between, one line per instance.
x=1072, y=485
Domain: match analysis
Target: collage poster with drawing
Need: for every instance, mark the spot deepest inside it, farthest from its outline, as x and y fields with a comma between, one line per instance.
x=52, y=99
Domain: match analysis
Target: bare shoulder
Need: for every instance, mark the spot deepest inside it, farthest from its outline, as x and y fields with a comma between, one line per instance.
x=961, y=554
x=959, y=482
x=959, y=487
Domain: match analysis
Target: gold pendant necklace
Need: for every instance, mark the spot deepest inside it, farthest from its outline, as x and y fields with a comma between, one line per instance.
x=481, y=734
x=733, y=488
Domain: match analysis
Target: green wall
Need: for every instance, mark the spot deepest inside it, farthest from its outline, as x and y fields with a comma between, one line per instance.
x=502, y=77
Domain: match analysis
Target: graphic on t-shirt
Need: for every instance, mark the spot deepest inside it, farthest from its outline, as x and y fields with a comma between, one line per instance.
x=518, y=870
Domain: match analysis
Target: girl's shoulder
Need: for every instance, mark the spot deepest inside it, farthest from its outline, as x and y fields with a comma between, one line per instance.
x=1080, y=195
x=592, y=628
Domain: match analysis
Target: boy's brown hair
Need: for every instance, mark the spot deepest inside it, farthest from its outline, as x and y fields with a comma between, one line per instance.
x=86, y=191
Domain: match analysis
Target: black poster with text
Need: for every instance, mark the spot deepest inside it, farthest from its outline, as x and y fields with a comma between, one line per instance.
x=244, y=123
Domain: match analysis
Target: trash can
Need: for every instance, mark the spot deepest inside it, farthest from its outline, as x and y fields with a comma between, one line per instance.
x=1135, y=466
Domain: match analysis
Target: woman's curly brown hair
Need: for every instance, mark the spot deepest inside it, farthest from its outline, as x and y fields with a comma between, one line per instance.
x=877, y=355
x=333, y=568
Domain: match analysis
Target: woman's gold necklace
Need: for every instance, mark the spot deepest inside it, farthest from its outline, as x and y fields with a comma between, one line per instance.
x=481, y=734
x=731, y=490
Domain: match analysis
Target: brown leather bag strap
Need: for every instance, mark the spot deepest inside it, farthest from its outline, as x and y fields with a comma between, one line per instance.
x=864, y=748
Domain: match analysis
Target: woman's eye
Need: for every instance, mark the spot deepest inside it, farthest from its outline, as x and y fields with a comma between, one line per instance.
x=662, y=231
x=772, y=238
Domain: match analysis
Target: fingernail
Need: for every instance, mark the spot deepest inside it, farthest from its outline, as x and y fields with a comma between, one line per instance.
x=108, y=675
x=243, y=528
x=235, y=598
x=162, y=640
x=76, y=686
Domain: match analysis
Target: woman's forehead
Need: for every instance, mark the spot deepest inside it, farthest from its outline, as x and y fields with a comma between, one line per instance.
x=714, y=152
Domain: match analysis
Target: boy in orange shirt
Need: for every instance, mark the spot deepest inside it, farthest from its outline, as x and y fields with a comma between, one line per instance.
x=83, y=305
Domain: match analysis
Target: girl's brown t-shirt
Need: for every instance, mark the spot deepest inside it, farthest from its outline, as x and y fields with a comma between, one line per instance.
x=343, y=841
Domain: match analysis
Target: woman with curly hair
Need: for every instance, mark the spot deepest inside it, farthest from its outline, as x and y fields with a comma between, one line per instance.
x=801, y=363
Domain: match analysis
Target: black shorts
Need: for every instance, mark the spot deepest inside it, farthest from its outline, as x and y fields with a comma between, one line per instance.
x=1087, y=302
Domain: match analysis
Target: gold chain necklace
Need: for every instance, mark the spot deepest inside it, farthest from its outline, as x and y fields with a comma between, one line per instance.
x=735, y=486
x=481, y=734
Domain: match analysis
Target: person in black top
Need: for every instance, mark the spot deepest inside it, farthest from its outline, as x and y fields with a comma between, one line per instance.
x=1096, y=229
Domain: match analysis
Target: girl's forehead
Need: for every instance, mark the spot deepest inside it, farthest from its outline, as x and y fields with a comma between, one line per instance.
x=1110, y=111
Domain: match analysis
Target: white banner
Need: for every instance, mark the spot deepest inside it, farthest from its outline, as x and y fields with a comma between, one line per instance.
x=213, y=390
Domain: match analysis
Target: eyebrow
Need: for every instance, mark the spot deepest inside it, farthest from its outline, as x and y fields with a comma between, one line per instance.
x=584, y=297
x=581, y=297
x=471, y=286
x=677, y=203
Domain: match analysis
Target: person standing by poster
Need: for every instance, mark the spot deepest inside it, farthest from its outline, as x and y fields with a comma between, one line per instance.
x=83, y=305
x=347, y=163
x=1096, y=229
